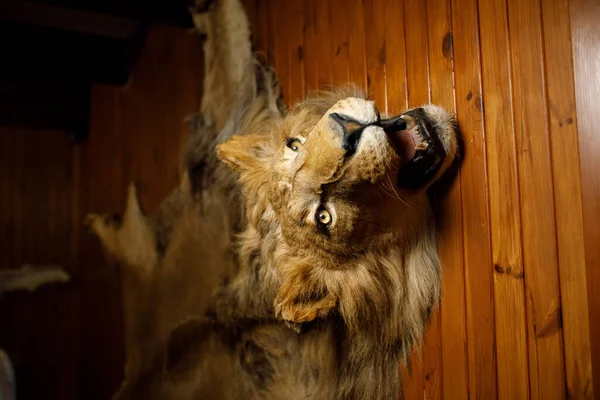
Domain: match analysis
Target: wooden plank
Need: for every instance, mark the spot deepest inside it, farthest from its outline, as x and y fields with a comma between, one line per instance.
x=36, y=181
x=280, y=54
x=395, y=55
x=294, y=15
x=324, y=49
x=585, y=34
x=546, y=362
x=309, y=50
x=417, y=65
x=567, y=197
x=270, y=45
x=339, y=41
x=357, y=63
x=505, y=218
x=101, y=188
x=476, y=225
x=454, y=365
x=374, y=13
x=262, y=33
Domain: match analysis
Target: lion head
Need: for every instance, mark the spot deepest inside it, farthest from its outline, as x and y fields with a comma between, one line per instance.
x=339, y=192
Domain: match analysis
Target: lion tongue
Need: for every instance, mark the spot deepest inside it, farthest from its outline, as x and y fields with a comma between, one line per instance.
x=405, y=145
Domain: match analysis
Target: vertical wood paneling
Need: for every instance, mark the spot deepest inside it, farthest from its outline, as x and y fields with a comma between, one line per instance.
x=309, y=50
x=585, y=15
x=339, y=41
x=454, y=365
x=567, y=197
x=478, y=266
x=37, y=330
x=357, y=68
x=395, y=56
x=505, y=218
x=101, y=188
x=325, y=40
x=417, y=64
x=67, y=340
x=263, y=35
x=375, y=52
x=280, y=49
x=294, y=15
x=546, y=364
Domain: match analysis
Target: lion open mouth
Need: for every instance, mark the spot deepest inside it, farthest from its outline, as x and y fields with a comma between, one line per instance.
x=416, y=140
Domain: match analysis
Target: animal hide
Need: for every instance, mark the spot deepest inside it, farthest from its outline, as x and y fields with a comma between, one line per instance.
x=297, y=257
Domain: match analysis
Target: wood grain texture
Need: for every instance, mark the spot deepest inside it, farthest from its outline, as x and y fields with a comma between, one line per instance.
x=585, y=38
x=357, y=63
x=339, y=26
x=375, y=52
x=311, y=44
x=294, y=15
x=395, y=57
x=567, y=197
x=325, y=43
x=546, y=358
x=505, y=216
x=476, y=226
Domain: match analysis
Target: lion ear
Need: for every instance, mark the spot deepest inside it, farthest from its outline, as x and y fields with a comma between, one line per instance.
x=245, y=152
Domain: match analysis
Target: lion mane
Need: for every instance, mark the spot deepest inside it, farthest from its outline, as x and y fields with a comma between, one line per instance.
x=297, y=258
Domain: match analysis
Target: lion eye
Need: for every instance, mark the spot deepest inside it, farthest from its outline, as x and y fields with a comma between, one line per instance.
x=324, y=217
x=294, y=144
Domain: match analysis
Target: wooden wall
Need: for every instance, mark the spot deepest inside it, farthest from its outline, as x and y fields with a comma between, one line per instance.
x=519, y=229
x=66, y=340
x=519, y=235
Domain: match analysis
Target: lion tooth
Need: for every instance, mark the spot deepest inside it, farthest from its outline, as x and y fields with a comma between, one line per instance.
x=410, y=122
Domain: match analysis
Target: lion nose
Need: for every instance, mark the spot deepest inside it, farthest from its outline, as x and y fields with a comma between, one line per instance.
x=351, y=131
x=394, y=124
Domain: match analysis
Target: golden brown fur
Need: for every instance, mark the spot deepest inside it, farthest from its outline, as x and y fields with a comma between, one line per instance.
x=234, y=289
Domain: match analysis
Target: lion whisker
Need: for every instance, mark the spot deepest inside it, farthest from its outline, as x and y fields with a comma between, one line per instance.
x=396, y=193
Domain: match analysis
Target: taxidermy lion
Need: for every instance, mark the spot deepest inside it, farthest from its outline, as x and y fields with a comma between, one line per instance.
x=297, y=258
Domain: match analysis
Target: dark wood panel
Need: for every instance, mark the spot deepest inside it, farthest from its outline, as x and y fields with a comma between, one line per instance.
x=310, y=47
x=294, y=15
x=36, y=227
x=66, y=341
